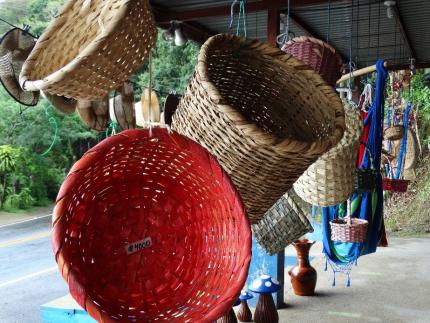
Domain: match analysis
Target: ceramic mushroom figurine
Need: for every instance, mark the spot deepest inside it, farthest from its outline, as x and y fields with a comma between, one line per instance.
x=244, y=313
x=265, y=312
x=230, y=316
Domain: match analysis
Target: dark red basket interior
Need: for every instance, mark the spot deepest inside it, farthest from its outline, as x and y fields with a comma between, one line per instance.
x=395, y=185
x=134, y=187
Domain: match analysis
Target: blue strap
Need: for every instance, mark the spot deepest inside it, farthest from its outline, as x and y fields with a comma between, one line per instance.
x=404, y=143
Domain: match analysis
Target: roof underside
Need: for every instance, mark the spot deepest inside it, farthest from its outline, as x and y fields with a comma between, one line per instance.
x=374, y=35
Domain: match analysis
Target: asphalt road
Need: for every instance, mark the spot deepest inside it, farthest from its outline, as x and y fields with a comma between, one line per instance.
x=28, y=272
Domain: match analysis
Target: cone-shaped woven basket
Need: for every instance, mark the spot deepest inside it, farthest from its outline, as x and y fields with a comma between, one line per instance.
x=284, y=223
x=94, y=114
x=264, y=115
x=149, y=229
x=90, y=48
x=15, y=46
x=330, y=180
x=121, y=107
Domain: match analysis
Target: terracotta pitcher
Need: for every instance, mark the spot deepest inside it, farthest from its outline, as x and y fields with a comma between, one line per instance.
x=303, y=275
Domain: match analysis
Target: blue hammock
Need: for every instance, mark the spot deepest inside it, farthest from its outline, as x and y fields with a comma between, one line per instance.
x=368, y=206
x=404, y=143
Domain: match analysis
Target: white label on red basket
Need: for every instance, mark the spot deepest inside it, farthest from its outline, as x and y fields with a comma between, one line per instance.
x=138, y=246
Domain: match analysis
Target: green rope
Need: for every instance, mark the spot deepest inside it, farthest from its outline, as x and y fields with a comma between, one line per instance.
x=112, y=128
x=53, y=122
x=242, y=16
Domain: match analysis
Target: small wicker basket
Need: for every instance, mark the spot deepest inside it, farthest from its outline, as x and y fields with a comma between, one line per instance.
x=284, y=223
x=395, y=185
x=394, y=132
x=349, y=230
x=319, y=55
x=90, y=48
x=94, y=114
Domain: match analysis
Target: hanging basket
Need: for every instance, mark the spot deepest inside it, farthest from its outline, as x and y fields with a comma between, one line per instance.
x=149, y=228
x=330, y=180
x=349, y=230
x=395, y=185
x=121, y=107
x=170, y=106
x=90, y=48
x=394, y=132
x=284, y=223
x=264, y=115
x=319, y=55
x=15, y=46
x=94, y=114
x=61, y=103
x=365, y=179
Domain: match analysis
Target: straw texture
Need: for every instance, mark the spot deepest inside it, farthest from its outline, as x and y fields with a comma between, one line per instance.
x=88, y=51
x=15, y=46
x=284, y=223
x=263, y=114
x=394, y=132
x=319, y=55
x=94, y=114
x=168, y=193
x=330, y=180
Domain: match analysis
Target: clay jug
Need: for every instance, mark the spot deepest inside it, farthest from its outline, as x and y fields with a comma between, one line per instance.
x=303, y=275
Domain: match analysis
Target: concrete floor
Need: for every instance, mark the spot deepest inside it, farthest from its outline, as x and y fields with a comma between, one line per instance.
x=392, y=285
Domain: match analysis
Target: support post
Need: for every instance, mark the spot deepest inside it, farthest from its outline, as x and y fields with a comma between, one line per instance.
x=273, y=23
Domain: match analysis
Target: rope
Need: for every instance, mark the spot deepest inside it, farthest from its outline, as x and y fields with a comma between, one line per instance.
x=51, y=120
x=284, y=37
x=112, y=128
x=242, y=17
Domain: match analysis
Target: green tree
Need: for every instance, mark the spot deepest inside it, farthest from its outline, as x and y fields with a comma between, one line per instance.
x=8, y=161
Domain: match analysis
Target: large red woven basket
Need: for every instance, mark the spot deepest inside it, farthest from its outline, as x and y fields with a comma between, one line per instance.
x=317, y=54
x=150, y=228
x=395, y=185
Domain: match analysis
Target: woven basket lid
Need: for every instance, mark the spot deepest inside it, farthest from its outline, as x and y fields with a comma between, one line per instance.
x=94, y=114
x=121, y=107
x=15, y=47
x=147, y=225
x=61, y=103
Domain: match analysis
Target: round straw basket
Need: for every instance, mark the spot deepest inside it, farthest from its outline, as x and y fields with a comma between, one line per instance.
x=284, y=223
x=121, y=107
x=90, y=48
x=264, y=115
x=349, y=230
x=319, y=55
x=149, y=229
x=61, y=103
x=394, y=132
x=411, y=157
x=330, y=180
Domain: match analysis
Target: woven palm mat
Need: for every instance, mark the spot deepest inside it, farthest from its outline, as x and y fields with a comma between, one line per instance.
x=15, y=47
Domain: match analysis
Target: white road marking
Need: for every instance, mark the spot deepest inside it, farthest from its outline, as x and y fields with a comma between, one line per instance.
x=17, y=280
x=23, y=221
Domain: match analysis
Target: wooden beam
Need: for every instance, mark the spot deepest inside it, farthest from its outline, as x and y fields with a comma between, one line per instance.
x=166, y=16
x=404, y=32
x=273, y=24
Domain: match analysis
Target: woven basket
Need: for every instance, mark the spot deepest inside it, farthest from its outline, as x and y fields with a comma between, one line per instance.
x=319, y=55
x=395, y=185
x=330, y=180
x=349, y=230
x=394, y=132
x=411, y=157
x=151, y=228
x=121, y=107
x=61, y=103
x=88, y=51
x=281, y=225
x=264, y=115
x=94, y=114
x=15, y=46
